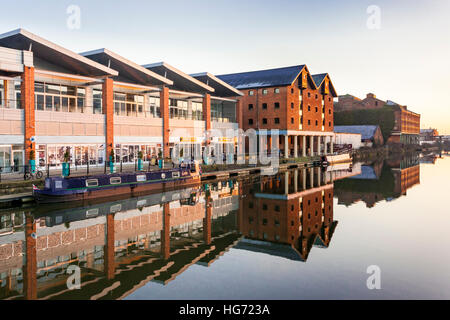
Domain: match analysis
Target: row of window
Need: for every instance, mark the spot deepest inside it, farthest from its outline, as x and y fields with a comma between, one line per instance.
x=276, y=105
x=264, y=91
x=277, y=121
x=277, y=90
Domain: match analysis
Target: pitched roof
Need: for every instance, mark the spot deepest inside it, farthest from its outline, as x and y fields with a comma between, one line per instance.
x=127, y=69
x=181, y=80
x=222, y=89
x=263, y=78
x=43, y=49
x=367, y=131
x=318, y=80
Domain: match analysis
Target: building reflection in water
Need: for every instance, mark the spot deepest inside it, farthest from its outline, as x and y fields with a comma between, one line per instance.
x=122, y=245
x=381, y=180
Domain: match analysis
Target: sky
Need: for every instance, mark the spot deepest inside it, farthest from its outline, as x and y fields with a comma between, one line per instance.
x=399, y=52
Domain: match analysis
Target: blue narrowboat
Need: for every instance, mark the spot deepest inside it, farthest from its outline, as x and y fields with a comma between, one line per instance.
x=64, y=189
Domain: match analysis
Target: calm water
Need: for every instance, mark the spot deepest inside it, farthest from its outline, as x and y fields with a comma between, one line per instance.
x=305, y=234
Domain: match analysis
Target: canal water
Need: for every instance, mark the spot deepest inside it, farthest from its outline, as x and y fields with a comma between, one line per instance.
x=375, y=230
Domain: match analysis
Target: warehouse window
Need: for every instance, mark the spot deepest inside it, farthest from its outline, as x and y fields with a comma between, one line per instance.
x=277, y=105
x=264, y=120
x=264, y=91
x=264, y=105
x=250, y=92
x=277, y=120
x=250, y=106
x=250, y=121
x=277, y=90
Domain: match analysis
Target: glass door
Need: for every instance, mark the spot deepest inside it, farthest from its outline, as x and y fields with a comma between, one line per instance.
x=18, y=161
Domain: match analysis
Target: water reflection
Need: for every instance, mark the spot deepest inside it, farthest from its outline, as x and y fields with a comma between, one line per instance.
x=122, y=245
x=380, y=180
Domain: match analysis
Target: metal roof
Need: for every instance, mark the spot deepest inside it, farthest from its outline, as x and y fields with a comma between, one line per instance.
x=181, y=80
x=128, y=70
x=263, y=78
x=367, y=131
x=222, y=89
x=47, y=53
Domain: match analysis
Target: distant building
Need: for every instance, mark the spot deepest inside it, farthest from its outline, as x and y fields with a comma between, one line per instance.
x=348, y=102
x=346, y=139
x=370, y=134
x=428, y=135
x=407, y=123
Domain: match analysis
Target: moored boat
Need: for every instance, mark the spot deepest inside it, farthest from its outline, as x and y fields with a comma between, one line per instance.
x=60, y=189
x=337, y=158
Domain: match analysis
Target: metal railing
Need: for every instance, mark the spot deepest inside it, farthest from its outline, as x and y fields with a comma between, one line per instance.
x=25, y=172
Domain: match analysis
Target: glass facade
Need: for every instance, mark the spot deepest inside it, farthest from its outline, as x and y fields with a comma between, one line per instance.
x=126, y=104
x=128, y=153
x=55, y=97
x=223, y=111
x=53, y=154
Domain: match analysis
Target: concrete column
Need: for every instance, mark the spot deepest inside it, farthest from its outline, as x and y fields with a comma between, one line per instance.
x=295, y=147
x=304, y=146
x=311, y=178
x=319, y=180
x=304, y=172
x=325, y=144
x=311, y=145
x=295, y=180
x=318, y=146
x=331, y=145
x=164, y=107
x=286, y=182
x=286, y=146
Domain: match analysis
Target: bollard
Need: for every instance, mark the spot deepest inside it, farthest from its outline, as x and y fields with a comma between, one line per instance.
x=87, y=168
x=121, y=165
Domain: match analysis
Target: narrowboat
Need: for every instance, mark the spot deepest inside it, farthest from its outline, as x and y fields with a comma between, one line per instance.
x=64, y=189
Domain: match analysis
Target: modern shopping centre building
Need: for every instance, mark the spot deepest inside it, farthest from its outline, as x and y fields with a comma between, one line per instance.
x=52, y=98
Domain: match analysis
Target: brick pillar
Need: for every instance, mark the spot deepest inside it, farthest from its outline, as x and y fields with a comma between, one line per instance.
x=5, y=90
x=239, y=114
x=165, y=233
x=29, y=276
x=207, y=111
x=27, y=101
x=108, y=110
x=164, y=105
x=109, y=264
x=207, y=221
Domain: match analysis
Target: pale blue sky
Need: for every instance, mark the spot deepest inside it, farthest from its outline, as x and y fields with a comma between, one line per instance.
x=406, y=60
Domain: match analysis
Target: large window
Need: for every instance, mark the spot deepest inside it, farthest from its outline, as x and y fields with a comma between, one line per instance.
x=55, y=97
x=197, y=111
x=223, y=111
x=126, y=104
x=97, y=101
x=152, y=109
x=18, y=94
x=178, y=109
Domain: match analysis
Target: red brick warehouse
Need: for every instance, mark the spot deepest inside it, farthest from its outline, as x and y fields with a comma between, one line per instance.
x=290, y=99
